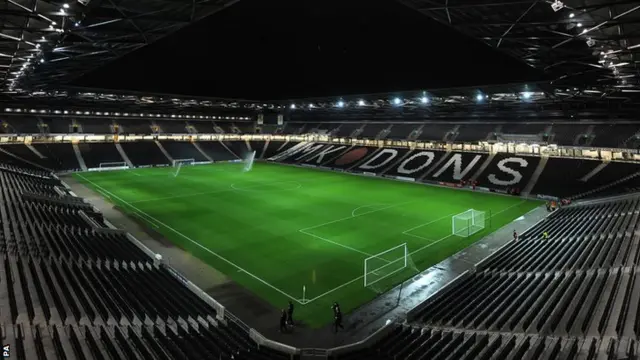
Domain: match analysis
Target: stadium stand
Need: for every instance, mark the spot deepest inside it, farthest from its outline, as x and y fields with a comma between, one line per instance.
x=474, y=132
x=614, y=136
x=258, y=147
x=145, y=153
x=245, y=127
x=401, y=131
x=216, y=150
x=238, y=148
x=96, y=153
x=135, y=126
x=172, y=127
x=24, y=152
x=24, y=124
x=75, y=288
x=536, y=298
x=373, y=130
x=205, y=127
x=434, y=132
x=183, y=150
x=60, y=156
x=55, y=125
x=97, y=126
x=522, y=168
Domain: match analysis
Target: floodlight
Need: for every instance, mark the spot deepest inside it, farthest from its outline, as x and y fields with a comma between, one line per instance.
x=396, y=101
x=311, y=106
x=526, y=95
x=579, y=24
x=66, y=6
x=361, y=102
x=572, y=15
x=557, y=5
x=293, y=106
x=340, y=103
x=424, y=100
x=41, y=61
x=479, y=97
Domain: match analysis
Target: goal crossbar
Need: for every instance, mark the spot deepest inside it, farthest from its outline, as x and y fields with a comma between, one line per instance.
x=468, y=222
x=175, y=162
x=385, y=264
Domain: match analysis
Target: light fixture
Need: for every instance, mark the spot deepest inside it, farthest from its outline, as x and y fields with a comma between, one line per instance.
x=479, y=97
x=361, y=102
x=424, y=100
x=340, y=103
x=293, y=106
x=396, y=101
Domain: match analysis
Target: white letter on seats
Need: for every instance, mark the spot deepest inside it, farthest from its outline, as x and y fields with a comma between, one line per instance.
x=456, y=161
x=320, y=156
x=403, y=170
x=517, y=176
x=392, y=155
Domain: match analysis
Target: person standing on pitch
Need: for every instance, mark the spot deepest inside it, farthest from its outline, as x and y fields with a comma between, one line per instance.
x=337, y=317
x=283, y=321
x=290, y=313
x=515, y=235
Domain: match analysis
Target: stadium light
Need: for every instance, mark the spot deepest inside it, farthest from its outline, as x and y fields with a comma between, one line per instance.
x=340, y=103
x=293, y=106
x=579, y=24
x=66, y=6
x=424, y=100
x=526, y=95
x=479, y=97
x=572, y=15
x=361, y=102
x=396, y=101
x=41, y=61
x=311, y=106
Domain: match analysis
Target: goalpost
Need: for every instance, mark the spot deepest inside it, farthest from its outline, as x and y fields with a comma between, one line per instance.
x=468, y=223
x=178, y=163
x=112, y=166
x=385, y=264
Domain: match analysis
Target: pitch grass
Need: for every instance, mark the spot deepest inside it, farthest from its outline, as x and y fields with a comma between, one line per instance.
x=247, y=225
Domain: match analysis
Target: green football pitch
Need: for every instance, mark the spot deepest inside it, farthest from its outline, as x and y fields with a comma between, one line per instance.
x=277, y=228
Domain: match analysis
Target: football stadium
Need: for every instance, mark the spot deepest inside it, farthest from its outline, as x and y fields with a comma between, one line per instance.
x=240, y=179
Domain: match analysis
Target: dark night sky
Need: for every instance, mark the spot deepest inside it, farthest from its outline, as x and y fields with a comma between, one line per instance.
x=287, y=49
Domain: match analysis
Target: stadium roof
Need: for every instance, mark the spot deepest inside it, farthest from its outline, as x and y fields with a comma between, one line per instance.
x=589, y=50
x=576, y=42
x=47, y=43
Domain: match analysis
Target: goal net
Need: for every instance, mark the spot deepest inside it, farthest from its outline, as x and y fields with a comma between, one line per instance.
x=112, y=166
x=468, y=223
x=385, y=264
x=178, y=163
x=248, y=161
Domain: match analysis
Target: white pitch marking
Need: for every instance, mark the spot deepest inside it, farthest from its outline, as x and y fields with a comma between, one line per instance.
x=358, y=215
x=353, y=213
x=411, y=253
x=194, y=242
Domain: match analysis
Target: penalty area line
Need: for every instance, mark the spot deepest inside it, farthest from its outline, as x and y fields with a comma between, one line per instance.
x=194, y=242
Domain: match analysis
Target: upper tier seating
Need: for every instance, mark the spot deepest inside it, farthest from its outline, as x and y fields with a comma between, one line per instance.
x=144, y=153
x=56, y=125
x=372, y=130
x=172, y=127
x=97, y=126
x=134, y=126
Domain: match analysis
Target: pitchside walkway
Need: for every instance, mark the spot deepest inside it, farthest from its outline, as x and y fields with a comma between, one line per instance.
x=264, y=317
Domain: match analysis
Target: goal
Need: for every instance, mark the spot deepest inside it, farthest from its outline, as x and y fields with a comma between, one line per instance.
x=178, y=163
x=112, y=166
x=468, y=223
x=385, y=264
